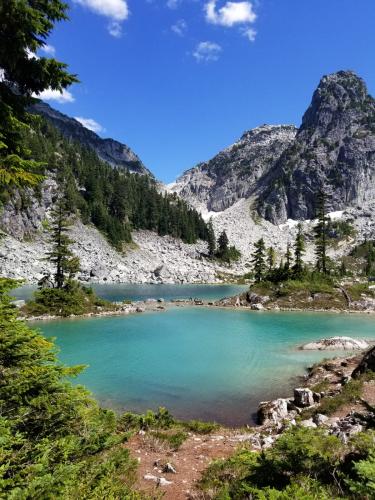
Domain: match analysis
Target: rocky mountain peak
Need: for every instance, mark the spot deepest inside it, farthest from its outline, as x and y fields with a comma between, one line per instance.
x=334, y=150
x=339, y=98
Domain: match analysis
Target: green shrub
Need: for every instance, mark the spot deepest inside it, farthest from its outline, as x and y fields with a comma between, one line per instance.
x=200, y=427
x=55, y=441
x=72, y=299
x=174, y=440
x=150, y=420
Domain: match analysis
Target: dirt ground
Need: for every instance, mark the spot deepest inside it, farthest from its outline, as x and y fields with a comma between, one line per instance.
x=189, y=461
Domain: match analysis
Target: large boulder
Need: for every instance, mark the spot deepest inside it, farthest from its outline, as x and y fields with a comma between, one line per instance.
x=303, y=397
x=272, y=412
x=336, y=343
x=367, y=363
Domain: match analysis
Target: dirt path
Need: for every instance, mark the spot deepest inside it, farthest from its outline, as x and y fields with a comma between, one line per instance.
x=189, y=461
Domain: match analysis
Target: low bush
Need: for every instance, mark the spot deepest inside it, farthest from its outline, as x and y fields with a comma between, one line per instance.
x=72, y=299
x=302, y=464
x=200, y=427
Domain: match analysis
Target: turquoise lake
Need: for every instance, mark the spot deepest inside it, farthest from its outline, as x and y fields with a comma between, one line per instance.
x=212, y=364
x=126, y=291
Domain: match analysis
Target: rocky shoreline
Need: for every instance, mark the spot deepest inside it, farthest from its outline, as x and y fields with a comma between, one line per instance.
x=323, y=399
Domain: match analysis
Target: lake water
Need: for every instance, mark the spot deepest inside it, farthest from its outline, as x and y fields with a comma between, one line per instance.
x=125, y=291
x=212, y=364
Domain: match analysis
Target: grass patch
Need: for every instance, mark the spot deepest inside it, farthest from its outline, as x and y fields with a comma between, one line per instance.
x=357, y=289
x=349, y=394
x=200, y=427
x=174, y=440
x=321, y=386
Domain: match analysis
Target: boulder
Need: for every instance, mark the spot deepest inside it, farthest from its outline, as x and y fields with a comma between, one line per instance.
x=319, y=419
x=336, y=343
x=257, y=307
x=303, y=397
x=272, y=412
x=308, y=423
x=367, y=363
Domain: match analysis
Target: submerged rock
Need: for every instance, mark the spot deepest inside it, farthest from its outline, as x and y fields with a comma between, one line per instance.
x=336, y=343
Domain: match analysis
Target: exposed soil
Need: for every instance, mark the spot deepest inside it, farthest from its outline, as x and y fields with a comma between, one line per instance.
x=193, y=457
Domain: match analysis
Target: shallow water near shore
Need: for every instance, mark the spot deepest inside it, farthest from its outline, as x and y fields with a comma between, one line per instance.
x=211, y=364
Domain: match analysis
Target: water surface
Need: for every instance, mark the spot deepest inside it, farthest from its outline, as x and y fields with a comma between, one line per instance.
x=212, y=364
x=127, y=291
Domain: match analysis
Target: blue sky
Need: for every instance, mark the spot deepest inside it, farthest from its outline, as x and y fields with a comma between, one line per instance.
x=178, y=80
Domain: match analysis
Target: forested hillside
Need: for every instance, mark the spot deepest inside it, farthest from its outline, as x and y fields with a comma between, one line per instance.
x=111, y=198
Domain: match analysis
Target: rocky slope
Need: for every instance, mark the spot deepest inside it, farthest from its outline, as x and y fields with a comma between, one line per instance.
x=150, y=259
x=235, y=172
x=113, y=152
x=283, y=168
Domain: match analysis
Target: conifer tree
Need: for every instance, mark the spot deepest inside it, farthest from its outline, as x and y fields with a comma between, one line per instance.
x=299, y=250
x=24, y=29
x=321, y=234
x=288, y=257
x=271, y=258
x=223, y=242
x=211, y=240
x=258, y=260
x=65, y=263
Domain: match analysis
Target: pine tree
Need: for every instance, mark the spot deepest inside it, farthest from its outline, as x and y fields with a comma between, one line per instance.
x=299, y=250
x=258, y=260
x=271, y=258
x=321, y=234
x=211, y=240
x=65, y=263
x=24, y=29
x=222, y=242
x=288, y=257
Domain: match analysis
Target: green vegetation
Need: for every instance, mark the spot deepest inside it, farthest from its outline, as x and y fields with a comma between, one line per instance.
x=259, y=261
x=350, y=393
x=303, y=463
x=339, y=230
x=163, y=420
x=174, y=440
x=224, y=252
x=30, y=148
x=115, y=201
x=61, y=294
x=25, y=28
x=55, y=442
x=72, y=299
x=321, y=235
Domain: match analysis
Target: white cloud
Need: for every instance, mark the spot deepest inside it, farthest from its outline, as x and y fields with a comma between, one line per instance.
x=116, y=10
x=55, y=95
x=90, y=124
x=207, y=51
x=115, y=29
x=250, y=34
x=48, y=49
x=230, y=14
x=180, y=27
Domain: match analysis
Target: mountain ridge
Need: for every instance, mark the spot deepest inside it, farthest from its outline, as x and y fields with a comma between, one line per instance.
x=109, y=150
x=333, y=149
